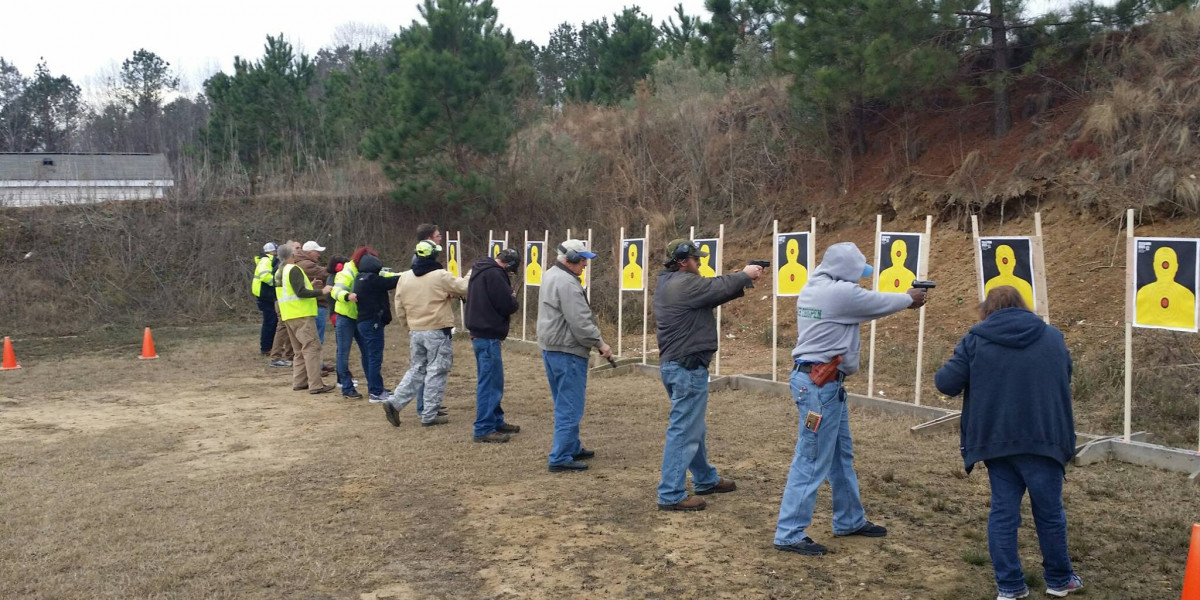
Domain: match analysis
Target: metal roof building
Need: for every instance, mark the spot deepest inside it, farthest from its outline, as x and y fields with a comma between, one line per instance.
x=38, y=179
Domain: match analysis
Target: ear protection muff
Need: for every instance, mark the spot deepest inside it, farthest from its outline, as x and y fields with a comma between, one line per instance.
x=573, y=257
x=426, y=248
x=511, y=259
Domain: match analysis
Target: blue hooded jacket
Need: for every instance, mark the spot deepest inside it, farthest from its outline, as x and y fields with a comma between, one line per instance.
x=1014, y=372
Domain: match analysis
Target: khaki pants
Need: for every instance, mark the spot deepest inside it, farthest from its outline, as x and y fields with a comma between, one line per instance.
x=281, y=347
x=306, y=364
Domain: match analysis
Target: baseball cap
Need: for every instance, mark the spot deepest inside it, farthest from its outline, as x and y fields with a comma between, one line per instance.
x=868, y=270
x=310, y=246
x=579, y=247
x=693, y=249
x=270, y=247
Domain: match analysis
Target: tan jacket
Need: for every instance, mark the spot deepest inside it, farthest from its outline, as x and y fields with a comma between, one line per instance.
x=424, y=302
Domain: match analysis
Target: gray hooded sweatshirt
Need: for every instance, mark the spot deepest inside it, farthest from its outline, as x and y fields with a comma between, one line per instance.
x=831, y=306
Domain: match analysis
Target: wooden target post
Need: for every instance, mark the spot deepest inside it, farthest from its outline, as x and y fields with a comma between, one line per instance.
x=920, y=271
x=1037, y=270
x=620, y=299
x=874, y=286
x=462, y=305
x=645, y=295
x=923, y=274
x=545, y=248
x=1130, y=258
x=718, y=268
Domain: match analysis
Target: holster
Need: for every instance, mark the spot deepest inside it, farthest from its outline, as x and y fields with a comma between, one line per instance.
x=823, y=373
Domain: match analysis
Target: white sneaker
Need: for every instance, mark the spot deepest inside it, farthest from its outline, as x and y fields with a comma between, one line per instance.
x=1073, y=585
x=1007, y=596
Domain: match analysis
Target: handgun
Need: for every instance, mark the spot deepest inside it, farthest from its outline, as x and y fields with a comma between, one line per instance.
x=923, y=285
x=765, y=264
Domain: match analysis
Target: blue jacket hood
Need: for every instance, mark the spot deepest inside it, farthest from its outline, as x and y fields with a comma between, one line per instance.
x=370, y=264
x=1011, y=327
x=842, y=262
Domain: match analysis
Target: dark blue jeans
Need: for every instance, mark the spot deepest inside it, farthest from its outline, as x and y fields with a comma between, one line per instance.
x=1010, y=477
x=346, y=332
x=684, y=449
x=489, y=371
x=322, y=321
x=266, y=336
x=567, y=374
x=371, y=332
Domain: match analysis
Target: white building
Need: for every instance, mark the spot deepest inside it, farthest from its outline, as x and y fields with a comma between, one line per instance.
x=37, y=179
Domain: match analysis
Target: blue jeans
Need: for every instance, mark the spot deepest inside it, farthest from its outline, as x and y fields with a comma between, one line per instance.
x=684, y=449
x=322, y=319
x=371, y=332
x=1043, y=477
x=270, y=320
x=489, y=370
x=567, y=374
x=346, y=333
x=825, y=453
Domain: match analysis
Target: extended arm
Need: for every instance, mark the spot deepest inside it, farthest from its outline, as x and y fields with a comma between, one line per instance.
x=953, y=377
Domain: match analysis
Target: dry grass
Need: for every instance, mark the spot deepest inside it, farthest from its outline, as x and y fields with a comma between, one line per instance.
x=202, y=476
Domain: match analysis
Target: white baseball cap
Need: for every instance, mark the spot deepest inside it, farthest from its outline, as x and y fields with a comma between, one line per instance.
x=579, y=246
x=270, y=247
x=310, y=246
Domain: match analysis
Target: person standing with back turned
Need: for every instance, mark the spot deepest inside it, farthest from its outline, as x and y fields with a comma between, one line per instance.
x=263, y=288
x=491, y=303
x=1014, y=372
x=829, y=310
x=687, y=339
x=567, y=332
x=298, y=309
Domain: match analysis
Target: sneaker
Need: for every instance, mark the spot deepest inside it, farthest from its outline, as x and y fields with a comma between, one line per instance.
x=1011, y=595
x=352, y=394
x=393, y=416
x=724, y=486
x=494, y=437
x=297, y=388
x=689, y=504
x=806, y=546
x=568, y=466
x=329, y=387
x=1073, y=585
x=509, y=428
x=377, y=398
x=281, y=363
x=442, y=413
x=432, y=422
x=868, y=530
x=584, y=454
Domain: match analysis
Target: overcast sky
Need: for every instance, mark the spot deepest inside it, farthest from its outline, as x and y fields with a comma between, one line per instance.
x=88, y=39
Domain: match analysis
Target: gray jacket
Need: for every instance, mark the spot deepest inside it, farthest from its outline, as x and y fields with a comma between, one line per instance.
x=832, y=304
x=683, y=309
x=565, y=322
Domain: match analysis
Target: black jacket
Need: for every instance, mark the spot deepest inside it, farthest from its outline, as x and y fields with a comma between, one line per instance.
x=683, y=308
x=490, y=301
x=1014, y=372
x=372, y=291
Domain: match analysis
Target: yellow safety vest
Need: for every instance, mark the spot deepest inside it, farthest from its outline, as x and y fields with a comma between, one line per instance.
x=262, y=275
x=292, y=306
x=343, y=286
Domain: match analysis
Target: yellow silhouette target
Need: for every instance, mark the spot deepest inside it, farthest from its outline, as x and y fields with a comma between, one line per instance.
x=533, y=263
x=452, y=259
x=792, y=263
x=708, y=263
x=633, y=258
x=494, y=248
x=1165, y=277
x=1008, y=261
x=902, y=255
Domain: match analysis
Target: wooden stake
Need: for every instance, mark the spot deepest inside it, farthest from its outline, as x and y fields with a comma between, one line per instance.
x=720, y=271
x=978, y=256
x=874, y=288
x=923, y=274
x=645, y=294
x=1039, y=270
x=462, y=306
x=775, y=306
x=1130, y=261
x=620, y=293
x=524, y=293
x=588, y=269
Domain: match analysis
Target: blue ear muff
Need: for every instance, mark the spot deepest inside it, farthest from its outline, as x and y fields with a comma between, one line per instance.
x=573, y=257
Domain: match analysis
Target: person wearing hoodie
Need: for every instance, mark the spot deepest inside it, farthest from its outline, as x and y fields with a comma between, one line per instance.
x=374, y=313
x=1014, y=372
x=829, y=310
x=423, y=303
x=491, y=302
x=684, y=302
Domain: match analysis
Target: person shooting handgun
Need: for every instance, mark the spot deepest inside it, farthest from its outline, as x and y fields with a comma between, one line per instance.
x=687, y=339
x=828, y=312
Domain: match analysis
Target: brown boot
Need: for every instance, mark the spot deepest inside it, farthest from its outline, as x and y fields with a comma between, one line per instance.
x=724, y=486
x=436, y=421
x=494, y=437
x=691, y=503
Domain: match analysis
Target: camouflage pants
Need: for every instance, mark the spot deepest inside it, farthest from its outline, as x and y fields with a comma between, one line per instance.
x=430, y=357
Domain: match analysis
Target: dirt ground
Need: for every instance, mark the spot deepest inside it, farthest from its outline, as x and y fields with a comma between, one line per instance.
x=202, y=475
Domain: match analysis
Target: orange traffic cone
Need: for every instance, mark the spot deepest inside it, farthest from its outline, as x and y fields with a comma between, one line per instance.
x=1191, y=577
x=148, y=352
x=10, y=357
